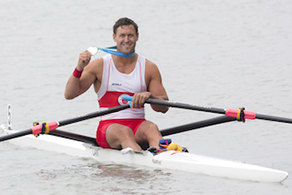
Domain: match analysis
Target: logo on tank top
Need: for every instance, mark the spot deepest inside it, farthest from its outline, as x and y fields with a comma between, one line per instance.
x=116, y=84
x=121, y=101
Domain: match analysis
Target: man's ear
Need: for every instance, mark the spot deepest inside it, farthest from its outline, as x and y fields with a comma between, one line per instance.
x=114, y=37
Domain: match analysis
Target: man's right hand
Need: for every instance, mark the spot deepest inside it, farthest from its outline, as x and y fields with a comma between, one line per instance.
x=84, y=59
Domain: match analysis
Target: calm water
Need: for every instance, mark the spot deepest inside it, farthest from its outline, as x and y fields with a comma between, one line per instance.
x=211, y=53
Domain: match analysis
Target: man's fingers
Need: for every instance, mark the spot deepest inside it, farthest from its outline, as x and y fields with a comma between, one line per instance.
x=138, y=100
x=84, y=58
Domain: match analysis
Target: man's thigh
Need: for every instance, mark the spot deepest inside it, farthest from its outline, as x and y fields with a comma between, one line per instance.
x=115, y=133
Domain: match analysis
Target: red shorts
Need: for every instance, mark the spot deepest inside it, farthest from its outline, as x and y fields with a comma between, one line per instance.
x=103, y=125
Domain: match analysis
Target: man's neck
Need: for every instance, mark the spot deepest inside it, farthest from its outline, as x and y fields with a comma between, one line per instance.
x=123, y=61
x=125, y=64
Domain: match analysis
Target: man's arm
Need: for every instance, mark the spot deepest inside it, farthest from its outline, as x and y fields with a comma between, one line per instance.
x=155, y=89
x=76, y=86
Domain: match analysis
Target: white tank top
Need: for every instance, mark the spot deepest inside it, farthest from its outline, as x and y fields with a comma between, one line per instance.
x=114, y=84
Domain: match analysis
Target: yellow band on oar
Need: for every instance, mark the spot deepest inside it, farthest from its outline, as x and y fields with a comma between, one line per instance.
x=46, y=127
x=35, y=124
x=238, y=114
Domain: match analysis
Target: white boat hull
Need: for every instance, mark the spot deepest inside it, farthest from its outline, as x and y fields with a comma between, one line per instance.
x=167, y=160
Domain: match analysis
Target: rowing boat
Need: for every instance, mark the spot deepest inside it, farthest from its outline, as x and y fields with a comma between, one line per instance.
x=183, y=161
x=83, y=146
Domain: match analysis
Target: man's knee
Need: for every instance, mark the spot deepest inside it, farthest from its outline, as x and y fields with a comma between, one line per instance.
x=151, y=130
x=125, y=131
x=152, y=127
x=117, y=135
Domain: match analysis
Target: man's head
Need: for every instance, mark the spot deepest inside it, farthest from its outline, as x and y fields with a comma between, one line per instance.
x=125, y=35
x=124, y=22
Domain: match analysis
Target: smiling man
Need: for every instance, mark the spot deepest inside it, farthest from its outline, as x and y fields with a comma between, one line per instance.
x=112, y=77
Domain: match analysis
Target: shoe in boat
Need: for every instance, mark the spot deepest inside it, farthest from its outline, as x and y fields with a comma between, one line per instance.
x=153, y=150
x=174, y=146
x=164, y=143
x=167, y=144
x=126, y=150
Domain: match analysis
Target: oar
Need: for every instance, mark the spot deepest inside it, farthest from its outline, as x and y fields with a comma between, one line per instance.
x=240, y=114
x=164, y=132
x=196, y=125
x=38, y=129
x=73, y=136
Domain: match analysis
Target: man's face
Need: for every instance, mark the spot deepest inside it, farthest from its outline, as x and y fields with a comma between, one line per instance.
x=126, y=38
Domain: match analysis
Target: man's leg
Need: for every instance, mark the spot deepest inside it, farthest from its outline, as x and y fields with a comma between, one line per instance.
x=120, y=136
x=148, y=132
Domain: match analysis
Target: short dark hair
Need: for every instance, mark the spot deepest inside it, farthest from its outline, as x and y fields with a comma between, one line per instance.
x=124, y=22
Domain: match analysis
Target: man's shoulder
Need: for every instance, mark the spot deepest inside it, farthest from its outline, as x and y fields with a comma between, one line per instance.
x=150, y=65
x=96, y=64
x=98, y=61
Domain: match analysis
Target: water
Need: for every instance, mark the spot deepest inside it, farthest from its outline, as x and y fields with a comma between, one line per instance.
x=222, y=54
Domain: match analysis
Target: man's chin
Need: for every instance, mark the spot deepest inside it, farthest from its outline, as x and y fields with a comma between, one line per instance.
x=128, y=52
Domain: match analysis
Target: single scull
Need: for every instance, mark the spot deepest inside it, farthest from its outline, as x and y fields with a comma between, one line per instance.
x=83, y=146
x=166, y=160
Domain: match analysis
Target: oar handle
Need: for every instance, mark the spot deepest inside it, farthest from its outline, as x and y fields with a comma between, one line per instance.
x=127, y=98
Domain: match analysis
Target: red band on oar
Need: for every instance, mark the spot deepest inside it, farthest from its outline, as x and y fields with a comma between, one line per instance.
x=38, y=128
x=231, y=112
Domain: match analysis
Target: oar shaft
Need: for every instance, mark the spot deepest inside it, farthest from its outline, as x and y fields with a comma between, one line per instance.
x=185, y=106
x=93, y=115
x=15, y=135
x=73, y=136
x=196, y=125
x=180, y=105
x=273, y=118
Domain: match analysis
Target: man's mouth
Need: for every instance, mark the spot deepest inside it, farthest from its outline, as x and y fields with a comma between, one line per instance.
x=127, y=45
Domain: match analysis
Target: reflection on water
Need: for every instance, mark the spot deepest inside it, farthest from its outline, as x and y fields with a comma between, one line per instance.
x=124, y=172
x=109, y=178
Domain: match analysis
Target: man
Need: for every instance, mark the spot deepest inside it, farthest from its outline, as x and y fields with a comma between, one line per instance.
x=113, y=76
